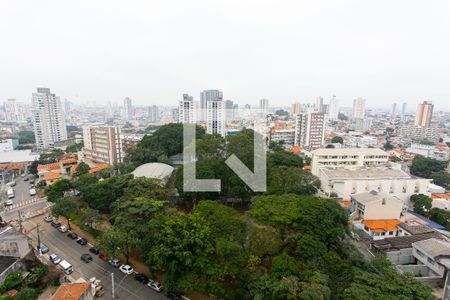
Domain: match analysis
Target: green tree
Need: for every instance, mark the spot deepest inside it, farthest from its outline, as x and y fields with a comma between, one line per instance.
x=422, y=203
x=330, y=146
x=441, y=178
x=116, y=242
x=284, y=265
x=337, y=139
x=74, y=148
x=425, y=167
x=64, y=207
x=57, y=189
x=27, y=294
x=284, y=158
x=26, y=137
x=309, y=248
x=293, y=180
x=82, y=168
x=439, y=216
x=263, y=241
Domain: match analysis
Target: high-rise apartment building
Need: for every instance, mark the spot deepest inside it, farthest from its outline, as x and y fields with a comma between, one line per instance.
x=264, y=106
x=128, y=108
x=404, y=109
x=102, y=144
x=424, y=114
x=394, y=110
x=359, y=108
x=296, y=108
x=215, y=117
x=205, y=97
x=310, y=130
x=186, y=110
x=48, y=119
x=333, y=108
x=153, y=113
x=319, y=104
x=15, y=111
x=229, y=111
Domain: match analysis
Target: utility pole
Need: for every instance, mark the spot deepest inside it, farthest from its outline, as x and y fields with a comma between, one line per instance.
x=112, y=282
x=39, y=239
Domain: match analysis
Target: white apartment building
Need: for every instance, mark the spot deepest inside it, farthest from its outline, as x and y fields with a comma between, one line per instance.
x=375, y=206
x=15, y=111
x=286, y=136
x=347, y=157
x=187, y=110
x=102, y=144
x=264, y=106
x=429, y=151
x=433, y=253
x=417, y=132
x=359, y=108
x=128, y=108
x=205, y=97
x=215, y=117
x=48, y=119
x=333, y=109
x=310, y=130
x=346, y=182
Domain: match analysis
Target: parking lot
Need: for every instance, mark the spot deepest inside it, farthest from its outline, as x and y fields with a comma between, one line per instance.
x=126, y=287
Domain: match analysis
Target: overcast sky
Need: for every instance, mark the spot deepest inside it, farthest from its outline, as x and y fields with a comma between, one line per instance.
x=154, y=51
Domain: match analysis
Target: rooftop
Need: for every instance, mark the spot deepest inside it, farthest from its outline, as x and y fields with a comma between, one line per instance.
x=402, y=242
x=434, y=247
x=372, y=196
x=415, y=228
x=365, y=173
x=48, y=167
x=381, y=225
x=349, y=151
x=71, y=291
x=6, y=262
x=153, y=170
x=52, y=176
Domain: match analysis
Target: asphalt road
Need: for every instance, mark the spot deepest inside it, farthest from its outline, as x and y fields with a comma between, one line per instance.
x=126, y=287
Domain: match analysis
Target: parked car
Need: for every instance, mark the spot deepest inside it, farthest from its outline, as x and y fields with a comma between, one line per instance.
x=11, y=183
x=55, y=259
x=25, y=178
x=56, y=223
x=9, y=202
x=94, y=250
x=141, y=278
x=23, y=175
x=32, y=181
x=63, y=229
x=155, y=285
x=82, y=241
x=48, y=219
x=43, y=247
x=114, y=262
x=32, y=192
x=86, y=257
x=126, y=269
x=72, y=235
x=173, y=295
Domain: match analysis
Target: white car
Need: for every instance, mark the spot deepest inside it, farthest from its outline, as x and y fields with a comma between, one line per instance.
x=55, y=259
x=155, y=285
x=126, y=269
x=63, y=229
x=9, y=202
x=32, y=192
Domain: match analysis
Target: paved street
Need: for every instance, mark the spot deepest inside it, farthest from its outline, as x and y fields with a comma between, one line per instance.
x=68, y=249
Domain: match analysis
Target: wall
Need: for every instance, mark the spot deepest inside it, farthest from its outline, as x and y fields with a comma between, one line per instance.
x=401, y=257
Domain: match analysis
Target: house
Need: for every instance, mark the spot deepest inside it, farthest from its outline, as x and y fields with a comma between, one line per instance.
x=413, y=227
x=380, y=229
x=51, y=177
x=13, y=243
x=74, y=291
x=441, y=201
x=375, y=206
x=433, y=253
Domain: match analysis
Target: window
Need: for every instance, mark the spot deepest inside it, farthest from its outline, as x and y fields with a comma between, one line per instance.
x=420, y=253
x=431, y=261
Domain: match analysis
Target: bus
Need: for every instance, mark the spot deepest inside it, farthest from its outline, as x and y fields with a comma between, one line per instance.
x=66, y=267
x=10, y=193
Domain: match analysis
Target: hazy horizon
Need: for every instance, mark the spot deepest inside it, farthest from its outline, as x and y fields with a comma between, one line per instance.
x=290, y=51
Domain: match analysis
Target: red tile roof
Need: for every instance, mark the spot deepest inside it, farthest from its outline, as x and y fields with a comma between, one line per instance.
x=440, y=196
x=49, y=167
x=68, y=161
x=71, y=291
x=52, y=176
x=381, y=225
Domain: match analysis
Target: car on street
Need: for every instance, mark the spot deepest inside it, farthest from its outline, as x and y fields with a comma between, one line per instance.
x=114, y=262
x=72, y=235
x=142, y=278
x=9, y=202
x=48, y=219
x=82, y=241
x=25, y=178
x=63, y=229
x=173, y=295
x=32, y=181
x=32, y=192
x=43, y=248
x=11, y=183
x=55, y=259
x=23, y=175
x=155, y=285
x=56, y=223
x=94, y=250
x=86, y=257
x=126, y=269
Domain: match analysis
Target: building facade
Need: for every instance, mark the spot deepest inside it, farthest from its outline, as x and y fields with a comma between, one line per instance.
x=186, y=110
x=359, y=108
x=264, y=106
x=103, y=144
x=48, y=119
x=153, y=114
x=333, y=109
x=424, y=114
x=15, y=111
x=128, y=108
x=215, y=117
x=310, y=130
x=285, y=136
x=205, y=97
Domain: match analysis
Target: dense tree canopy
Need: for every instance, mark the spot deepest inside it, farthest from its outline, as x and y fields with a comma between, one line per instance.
x=425, y=167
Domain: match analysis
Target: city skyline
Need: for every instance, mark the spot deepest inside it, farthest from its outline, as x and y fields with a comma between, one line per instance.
x=384, y=52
